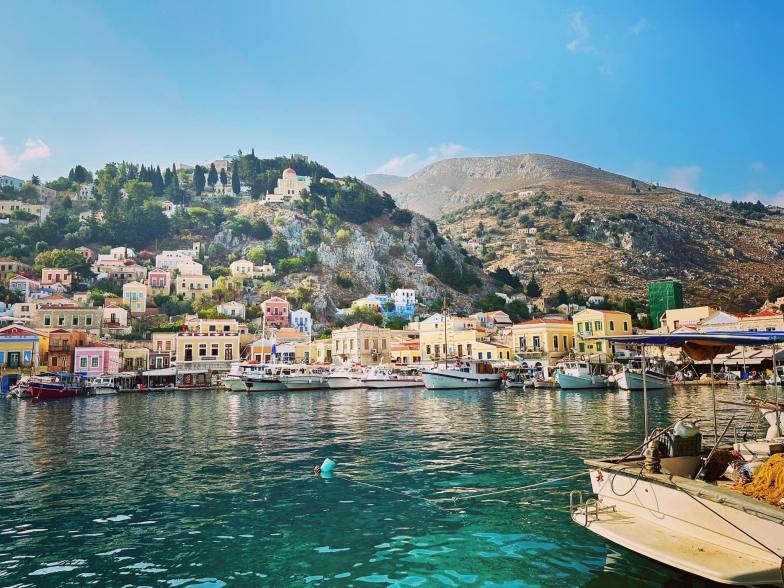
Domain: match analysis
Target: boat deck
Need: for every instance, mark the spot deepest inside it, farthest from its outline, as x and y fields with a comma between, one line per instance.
x=681, y=551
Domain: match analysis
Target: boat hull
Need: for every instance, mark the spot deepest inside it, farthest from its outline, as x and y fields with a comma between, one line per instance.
x=104, y=390
x=271, y=385
x=384, y=384
x=659, y=516
x=54, y=391
x=633, y=381
x=304, y=383
x=344, y=383
x=235, y=384
x=455, y=380
x=589, y=382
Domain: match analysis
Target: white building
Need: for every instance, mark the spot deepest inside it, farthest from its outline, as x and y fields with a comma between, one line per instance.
x=9, y=182
x=289, y=187
x=190, y=267
x=241, y=268
x=85, y=192
x=405, y=301
x=595, y=300
x=301, y=321
x=169, y=208
x=169, y=260
x=122, y=253
x=263, y=271
x=232, y=309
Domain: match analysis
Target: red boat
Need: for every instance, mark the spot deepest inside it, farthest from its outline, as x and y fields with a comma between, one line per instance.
x=54, y=386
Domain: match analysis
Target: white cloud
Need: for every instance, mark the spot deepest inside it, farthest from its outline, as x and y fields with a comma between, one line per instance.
x=581, y=41
x=11, y=163
x=757, y=166
x=683, y=178
x=639, y=26
x=405, y=165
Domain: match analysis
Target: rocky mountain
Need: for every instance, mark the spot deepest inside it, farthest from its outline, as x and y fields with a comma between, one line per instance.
x=450, y=184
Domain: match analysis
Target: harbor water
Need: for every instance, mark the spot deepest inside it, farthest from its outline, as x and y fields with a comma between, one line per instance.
x=217, y=488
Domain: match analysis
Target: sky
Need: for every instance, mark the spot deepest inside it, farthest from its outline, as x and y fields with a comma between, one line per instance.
x=688, y=94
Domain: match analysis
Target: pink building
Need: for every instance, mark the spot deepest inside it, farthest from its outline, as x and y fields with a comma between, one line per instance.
x=96, y=359
x=276, y=312
x=159, y=281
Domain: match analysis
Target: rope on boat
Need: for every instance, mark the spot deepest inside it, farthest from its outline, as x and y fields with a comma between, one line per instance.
x=428, y=501
x=516, y=489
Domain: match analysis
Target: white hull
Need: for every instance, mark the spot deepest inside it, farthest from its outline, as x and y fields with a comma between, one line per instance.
x=687, y=529
x=104, y=390
x=234, y=383
x=770, y=417
x=271, y=385
x=456, y=379
x=344, y=383
x=633, y=381
x=387, y=383
x=304, y=383
x=588, y=382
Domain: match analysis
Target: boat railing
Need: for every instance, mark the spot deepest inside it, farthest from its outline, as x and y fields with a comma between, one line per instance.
x=589, y=508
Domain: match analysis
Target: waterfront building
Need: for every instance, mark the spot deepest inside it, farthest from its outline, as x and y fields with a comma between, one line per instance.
x=289, y=187
x=135, y=297
x=55, y=275
x=232, y=309
x=276, y=312
x=213, y=351
x=764, y=320
x=62, y=346
x=404, y=351
x=10, y=267
x=191, y=287
x=718, y=321
x=491, y=350
x=159, y=282
x=542, y=342
x=675, y=318
x=663, y=295
x=461, y=336
x=302, y=321
x=360, y=343
x=590, y=325
x=195, y=324
x=241, y=268
x=95, y=359
x=11, y=182
x=19, y=354
x=165, y=345
x=134, y=359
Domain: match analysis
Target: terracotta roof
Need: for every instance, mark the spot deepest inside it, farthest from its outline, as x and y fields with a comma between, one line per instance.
x=766, y=312
x=544, y=321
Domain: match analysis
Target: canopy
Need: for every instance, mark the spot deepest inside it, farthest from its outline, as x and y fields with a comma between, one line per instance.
x=701, y=346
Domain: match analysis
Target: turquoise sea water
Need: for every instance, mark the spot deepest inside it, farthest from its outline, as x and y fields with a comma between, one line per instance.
x=216, y=488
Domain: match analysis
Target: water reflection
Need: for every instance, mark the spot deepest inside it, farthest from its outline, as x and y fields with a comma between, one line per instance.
x=162, y=487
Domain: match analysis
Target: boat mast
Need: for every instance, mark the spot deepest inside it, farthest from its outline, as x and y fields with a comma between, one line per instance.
x=644, y=389
x=446, y=341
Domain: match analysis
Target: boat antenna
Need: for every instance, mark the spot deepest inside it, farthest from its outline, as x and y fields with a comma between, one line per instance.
x=446, y=341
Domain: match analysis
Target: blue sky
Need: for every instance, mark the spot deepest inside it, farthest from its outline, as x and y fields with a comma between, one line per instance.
x=685, y=93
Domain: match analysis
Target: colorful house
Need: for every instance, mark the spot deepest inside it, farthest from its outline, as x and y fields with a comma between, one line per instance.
x=542, y=342
x=135, y=297
x=159, y=281
x=55, y=275
x=97, y=359
x=62, y=345
x=276, y=312
x=590, y=325
x=22, y=351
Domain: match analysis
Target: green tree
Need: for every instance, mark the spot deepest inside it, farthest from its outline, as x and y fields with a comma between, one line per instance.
x=212, y=176
x=62, y=258
x=533, y=289
x=235, y=177
x=223, y=177
x=198, y=179
x=35, y=180
x=257, y=255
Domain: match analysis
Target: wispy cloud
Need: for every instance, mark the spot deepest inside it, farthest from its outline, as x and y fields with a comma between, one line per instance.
x=683, y=178
x=11, y=163
x=757, y=166
x=639, y=26
x=404, y=165
x=581, y=35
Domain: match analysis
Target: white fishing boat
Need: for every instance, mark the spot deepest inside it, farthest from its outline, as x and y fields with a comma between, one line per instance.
x=577, y=375
x=464, y=374
x=629, y=379
x=519, y=378
x=386, y=377
x=235, y=378
x=673, y=506
x=776, y=378
x=345, y=379
x=306, y=378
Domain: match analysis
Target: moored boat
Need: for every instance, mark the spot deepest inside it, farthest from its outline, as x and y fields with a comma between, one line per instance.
x=345, y=379
x=306, y=378
x=629, y=379
x=388, y=377
x=577, y=375
x=55, y=386
x=465, y=374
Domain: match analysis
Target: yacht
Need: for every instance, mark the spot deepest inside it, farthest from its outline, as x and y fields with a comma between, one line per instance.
x=464, y=374
x=306, y=378
x=235, y=378
x=577, y=375
x=345, y=379
x=385, y=377
x=113, y=383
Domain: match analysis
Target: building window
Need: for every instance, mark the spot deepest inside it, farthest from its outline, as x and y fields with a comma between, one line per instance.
x=214, y=350
x=625, y=326
x=598, y=346
x=228, y=352
x=555, y=342
x=427, y=349
x=60, y=320
x=480, y=355
x=597, y=325
x=88, y=320
x=468, y=349
x=612, y=325
x=94, y=361
x=47, y=320
x=74, y=320
x=83, y=362
x=202, y=349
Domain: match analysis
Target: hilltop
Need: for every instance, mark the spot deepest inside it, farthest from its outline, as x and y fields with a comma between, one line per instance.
x=582, y=228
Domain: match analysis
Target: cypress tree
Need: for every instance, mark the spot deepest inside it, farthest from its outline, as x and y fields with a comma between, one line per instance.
x=235, y=177
x=223, y=178
x=198, y=179
x=168, y=177
x=212, y=176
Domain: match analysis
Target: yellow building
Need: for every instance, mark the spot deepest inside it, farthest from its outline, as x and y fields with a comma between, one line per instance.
x=764, y=320
x=20, y=353
x=369, y=303
x=404, y=351
x=457, y=340
x=191, y=287
x=675, y=318
x=543, y=340
x=590, y=325
x=360, y=343
x=211, y=351
x=135, y=297
x=134, y=358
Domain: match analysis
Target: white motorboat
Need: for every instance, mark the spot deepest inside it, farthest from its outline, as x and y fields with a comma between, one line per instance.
x=104, y=385
x=235, y=378
x=306, y=378
x=466, y=374
x=384, y=377
x=345, y=379
x=632, y=380
x=577, y=375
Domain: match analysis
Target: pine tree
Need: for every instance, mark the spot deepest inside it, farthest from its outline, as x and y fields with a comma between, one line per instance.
x=533, y=289
x=212, y=176
x=223, y=178
x=35, y=180
x=168, y=177
x=235, y=177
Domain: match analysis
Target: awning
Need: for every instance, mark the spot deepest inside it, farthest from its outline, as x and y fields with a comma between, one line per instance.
x=702, y=346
